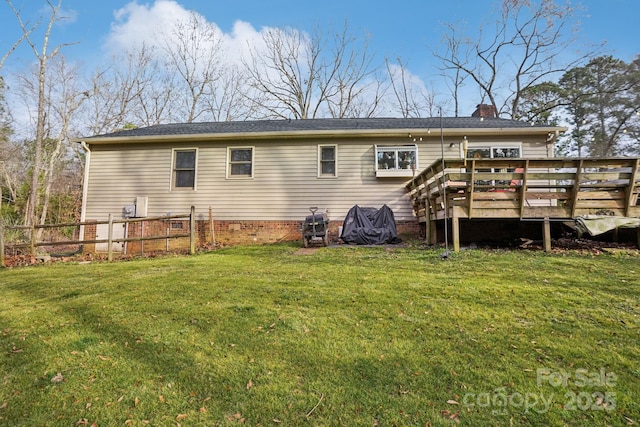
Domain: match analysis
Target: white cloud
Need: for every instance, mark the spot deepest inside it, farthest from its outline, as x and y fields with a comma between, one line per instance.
x=136, y=24
x=242, y=35
x=155, y=24
x=150, y=24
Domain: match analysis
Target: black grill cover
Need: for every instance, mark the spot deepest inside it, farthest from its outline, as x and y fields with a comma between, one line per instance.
x=370, y=226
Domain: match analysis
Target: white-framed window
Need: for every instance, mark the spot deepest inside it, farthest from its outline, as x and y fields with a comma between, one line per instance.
x=494, y=151
x=240, y=162
x=396, y=160
x=183, y=169
x=327, y=161
x=505, y=151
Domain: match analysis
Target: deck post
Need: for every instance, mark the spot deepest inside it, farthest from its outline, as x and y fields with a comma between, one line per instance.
x=546, y=234
x=455, y=229
x=433, y=238
x=427, y=223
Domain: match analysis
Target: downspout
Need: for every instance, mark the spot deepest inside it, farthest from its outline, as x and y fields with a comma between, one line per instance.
x=85, y=186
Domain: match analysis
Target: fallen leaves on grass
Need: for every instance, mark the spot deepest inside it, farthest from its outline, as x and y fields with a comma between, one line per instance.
x=236, y=417
x=450, y=415
x=58, y=378
x=181, y=417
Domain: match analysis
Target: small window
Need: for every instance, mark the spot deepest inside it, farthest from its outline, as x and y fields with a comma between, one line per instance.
x=240, y=162
x=184, y=169
x=327, y=161
x=396, y=160
x=492, y=152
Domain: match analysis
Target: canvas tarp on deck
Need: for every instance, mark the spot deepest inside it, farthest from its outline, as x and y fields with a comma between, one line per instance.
x=369, y=226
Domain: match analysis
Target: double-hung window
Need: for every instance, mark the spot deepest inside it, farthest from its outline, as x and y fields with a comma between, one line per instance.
x=396, y=161
x=184, y=169
x=327, y=161
x=240, y=162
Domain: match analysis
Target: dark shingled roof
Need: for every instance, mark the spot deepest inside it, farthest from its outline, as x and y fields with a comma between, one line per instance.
x=311, y=125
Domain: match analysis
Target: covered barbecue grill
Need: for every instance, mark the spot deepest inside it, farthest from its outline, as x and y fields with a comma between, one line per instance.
x=370, y=226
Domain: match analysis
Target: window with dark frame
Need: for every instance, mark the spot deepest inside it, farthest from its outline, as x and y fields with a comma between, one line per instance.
x=184, y=169
x=240, y=162
x=328, y=161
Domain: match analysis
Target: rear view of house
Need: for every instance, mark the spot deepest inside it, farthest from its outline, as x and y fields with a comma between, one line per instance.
x=259, y=178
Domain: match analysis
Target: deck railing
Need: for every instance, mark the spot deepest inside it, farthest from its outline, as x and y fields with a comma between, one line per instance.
x=526, y=188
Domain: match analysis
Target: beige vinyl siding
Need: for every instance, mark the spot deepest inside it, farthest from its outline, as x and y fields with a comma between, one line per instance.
x=285, y=179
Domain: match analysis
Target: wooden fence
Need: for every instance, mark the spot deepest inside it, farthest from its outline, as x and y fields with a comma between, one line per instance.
x=33, y=231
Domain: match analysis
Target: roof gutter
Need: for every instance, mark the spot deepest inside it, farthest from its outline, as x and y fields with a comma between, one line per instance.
x=306, y=134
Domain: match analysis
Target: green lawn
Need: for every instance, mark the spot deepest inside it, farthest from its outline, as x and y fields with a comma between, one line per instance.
x=343, y=336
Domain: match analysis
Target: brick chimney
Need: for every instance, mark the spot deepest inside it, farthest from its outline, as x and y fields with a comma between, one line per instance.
x=485, y=110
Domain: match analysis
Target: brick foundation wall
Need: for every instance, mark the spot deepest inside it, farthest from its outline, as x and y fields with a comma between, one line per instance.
x=226, y=233
x=90, y=231
x=260, y=232
x=159, y=228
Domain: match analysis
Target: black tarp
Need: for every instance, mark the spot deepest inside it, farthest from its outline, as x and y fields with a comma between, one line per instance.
x=369, y=226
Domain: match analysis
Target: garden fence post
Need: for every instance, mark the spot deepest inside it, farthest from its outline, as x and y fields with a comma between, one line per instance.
x=212, y=227
x=1, y=244
x=110, y=239
x=32, y=249
x=192, y=231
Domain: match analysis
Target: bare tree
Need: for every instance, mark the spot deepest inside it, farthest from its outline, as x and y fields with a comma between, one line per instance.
x=352, y=89
x=7, y=151
x=131, y=91
x=286, y=75
x=299, y=76
x=454, y=77
x=26, y=31
x=193, y=49
x=527, y=44
x=63, y=98
x=43, y=55
x=411, y=98
x=228, y=101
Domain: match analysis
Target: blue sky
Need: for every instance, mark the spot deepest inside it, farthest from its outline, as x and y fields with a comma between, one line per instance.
x=410, y=29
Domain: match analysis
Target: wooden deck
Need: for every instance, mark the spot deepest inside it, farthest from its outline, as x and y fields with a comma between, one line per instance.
x=525, y=189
